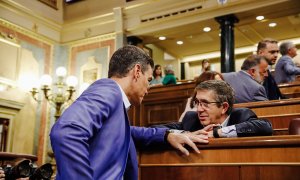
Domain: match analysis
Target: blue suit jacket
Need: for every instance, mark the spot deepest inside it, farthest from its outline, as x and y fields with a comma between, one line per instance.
x=245, y=121
x=286, y=70
x=93, y=139
x=246, y=89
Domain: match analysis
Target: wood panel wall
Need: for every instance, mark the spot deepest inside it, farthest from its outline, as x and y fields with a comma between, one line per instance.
x=162, y=104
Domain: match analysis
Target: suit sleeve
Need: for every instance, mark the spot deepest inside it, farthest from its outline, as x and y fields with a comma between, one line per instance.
x=70, y=145
x=145, y=137
x=290, y=68
x=173, y=125
x=71, y=134
x=251, y=125
x=260, y=95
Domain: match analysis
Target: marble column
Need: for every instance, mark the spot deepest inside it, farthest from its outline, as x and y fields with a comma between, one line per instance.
x=119, y=28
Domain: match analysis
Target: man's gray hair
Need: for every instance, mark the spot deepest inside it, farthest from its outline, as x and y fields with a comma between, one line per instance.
x=252, y=61
x=285, y=46
x=223, y=92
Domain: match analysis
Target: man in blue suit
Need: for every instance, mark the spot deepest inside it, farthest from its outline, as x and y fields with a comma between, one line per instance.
x=214, y=101
x=285, y=69
x=93, y=138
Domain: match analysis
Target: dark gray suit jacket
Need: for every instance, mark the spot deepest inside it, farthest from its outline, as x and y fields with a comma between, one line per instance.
x=245, y=120
x=246, y=89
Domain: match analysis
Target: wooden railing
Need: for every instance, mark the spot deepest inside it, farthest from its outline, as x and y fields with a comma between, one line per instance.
x=269, y=157
x=279, y=112
x=11, y=158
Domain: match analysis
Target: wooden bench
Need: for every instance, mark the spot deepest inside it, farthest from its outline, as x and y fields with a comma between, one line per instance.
x=279, y=112
x=269, y=157
x=290, y=90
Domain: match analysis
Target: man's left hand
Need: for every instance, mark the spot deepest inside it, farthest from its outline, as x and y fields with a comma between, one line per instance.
x=178, y=140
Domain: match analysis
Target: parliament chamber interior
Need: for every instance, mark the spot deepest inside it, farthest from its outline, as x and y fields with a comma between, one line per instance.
x=52, y=50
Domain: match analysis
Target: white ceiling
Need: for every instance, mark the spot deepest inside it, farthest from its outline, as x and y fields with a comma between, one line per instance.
x=247, y=32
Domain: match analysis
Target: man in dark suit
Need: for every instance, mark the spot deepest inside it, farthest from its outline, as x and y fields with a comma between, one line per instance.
x=269, y=49
x=214, y=101
x=247, y=82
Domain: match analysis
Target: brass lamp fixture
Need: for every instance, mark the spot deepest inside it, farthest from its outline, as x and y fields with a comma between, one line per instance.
x=59, y=93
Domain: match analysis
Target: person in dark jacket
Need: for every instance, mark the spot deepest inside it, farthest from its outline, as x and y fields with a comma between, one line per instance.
x=216, y=115
x=269, y=49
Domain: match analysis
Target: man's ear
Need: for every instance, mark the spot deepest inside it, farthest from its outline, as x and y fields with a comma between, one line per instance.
x=225, y=107
x=259, y=52
x=137, y=70
x=251, y=72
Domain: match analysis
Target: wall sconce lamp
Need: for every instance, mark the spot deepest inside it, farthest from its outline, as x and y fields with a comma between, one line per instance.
x=59, y=93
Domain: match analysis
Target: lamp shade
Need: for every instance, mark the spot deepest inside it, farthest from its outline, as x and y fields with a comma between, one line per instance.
x=61, y=71
x=71, y=81
x=46, y=80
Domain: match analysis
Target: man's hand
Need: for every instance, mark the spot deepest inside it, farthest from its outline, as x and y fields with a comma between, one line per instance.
x=205, y=130
x=179, y=140
x=2, y=175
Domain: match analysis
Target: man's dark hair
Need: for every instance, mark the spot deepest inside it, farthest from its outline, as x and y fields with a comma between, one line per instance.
x=263, y=44
x=205, y=76
x=124, y=59
x=154, y=71
x=251, y=61
x=223, y=92
x=284, y=47
x=134, y=40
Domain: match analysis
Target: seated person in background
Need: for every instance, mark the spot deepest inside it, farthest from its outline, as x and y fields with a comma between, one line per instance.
x=247, y=82
x=157, y=76
x=214, y=102
x=207, y=75
x=285, y=69
x=205, y=66
x=169, y=76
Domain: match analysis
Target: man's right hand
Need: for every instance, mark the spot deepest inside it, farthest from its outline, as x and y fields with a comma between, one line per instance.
x=2, y=175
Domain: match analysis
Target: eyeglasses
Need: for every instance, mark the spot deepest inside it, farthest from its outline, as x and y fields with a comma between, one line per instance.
x=204, y=104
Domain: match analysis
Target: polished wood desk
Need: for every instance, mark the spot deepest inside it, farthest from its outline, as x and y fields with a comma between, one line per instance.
x=290, y=90
x=271, y=157
x=279, y=112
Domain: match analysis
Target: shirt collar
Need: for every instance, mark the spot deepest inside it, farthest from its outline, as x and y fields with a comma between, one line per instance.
x=125, y=99
x=245, y=72
x=224, y=124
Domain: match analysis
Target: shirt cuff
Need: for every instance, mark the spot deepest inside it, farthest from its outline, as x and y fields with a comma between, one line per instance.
x=176, y=131
x=229, y=131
